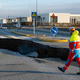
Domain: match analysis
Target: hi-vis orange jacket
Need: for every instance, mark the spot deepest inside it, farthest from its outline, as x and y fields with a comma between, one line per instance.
x=74, y=42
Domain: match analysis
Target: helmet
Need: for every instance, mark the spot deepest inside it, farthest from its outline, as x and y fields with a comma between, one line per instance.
x=71, y=29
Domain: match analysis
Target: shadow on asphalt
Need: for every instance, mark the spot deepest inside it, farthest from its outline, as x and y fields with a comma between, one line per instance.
x=40, y=72
x=74, y=63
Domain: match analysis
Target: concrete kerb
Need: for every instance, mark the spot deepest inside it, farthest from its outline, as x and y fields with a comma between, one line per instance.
x=28, y=35
x=43, y=37
x=48, y=31
x=51, y=39
x=18, y=33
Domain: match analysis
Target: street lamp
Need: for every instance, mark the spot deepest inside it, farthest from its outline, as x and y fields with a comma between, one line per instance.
x=30, y=12
x=36, y=12
x=6, y=12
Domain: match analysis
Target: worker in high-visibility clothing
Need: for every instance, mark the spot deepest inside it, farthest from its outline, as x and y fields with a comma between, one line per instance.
x=74, y=49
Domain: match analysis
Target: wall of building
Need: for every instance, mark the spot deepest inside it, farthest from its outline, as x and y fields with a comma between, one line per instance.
x=61, y=17
x=4, y=21
x=44, y=17
x=75, y=18
x=23, y=19
x=1, y=21
x=29, y=19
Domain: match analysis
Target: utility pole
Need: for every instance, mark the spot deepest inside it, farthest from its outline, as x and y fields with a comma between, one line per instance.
x=36, y=12
x=30, y=12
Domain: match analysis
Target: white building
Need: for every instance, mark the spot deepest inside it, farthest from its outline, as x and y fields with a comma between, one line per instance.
x=46, y=17
x=1, y=21
x=17, y=20
x=75, y=18
x=24, y=19
x=60, y=17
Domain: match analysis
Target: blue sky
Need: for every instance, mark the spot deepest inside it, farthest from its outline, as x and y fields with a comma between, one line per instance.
x=17, y=8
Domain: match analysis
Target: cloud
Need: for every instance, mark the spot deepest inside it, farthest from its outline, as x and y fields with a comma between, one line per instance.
x=1, y=5
x=18, y=10
x=61, y=8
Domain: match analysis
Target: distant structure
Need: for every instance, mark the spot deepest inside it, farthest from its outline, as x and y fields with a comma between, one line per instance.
x=45, y=17
x=15, y=21
x=59, y=18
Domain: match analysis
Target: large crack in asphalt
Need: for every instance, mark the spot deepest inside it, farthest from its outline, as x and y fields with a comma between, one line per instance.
x=25, y=46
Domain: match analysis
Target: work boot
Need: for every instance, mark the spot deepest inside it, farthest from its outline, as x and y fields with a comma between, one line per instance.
x=61, y=69
x=78, y=73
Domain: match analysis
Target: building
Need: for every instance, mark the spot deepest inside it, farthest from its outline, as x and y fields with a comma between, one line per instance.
x=59, y=18
x=45, y=18
x=75, y=18
x=1, y=21
x=15, y=20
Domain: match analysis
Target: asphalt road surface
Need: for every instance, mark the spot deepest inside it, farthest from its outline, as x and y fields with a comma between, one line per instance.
x=14, y=66
x=8, y=34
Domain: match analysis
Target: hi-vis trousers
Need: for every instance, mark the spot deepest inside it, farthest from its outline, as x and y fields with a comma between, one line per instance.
x=71, y=56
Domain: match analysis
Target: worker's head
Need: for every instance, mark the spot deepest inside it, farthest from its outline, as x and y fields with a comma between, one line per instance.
x=71, y=29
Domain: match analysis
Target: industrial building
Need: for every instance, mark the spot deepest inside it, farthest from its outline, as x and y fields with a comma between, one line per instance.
x=18, y=19
x=46, y=17
x=59, y=18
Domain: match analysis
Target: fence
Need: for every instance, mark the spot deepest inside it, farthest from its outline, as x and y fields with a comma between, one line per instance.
x=48, y=24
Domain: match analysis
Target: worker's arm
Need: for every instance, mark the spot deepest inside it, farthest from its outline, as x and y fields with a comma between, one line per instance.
x=72, y=47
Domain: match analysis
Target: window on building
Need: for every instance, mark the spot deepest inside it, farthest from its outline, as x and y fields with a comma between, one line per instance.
x=40, y=19
x=74, y=20
x=25, y=19
x=44, y=19
x=54, y=19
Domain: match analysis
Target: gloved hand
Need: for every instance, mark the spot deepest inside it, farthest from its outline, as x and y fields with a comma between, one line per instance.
x=72, y=51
